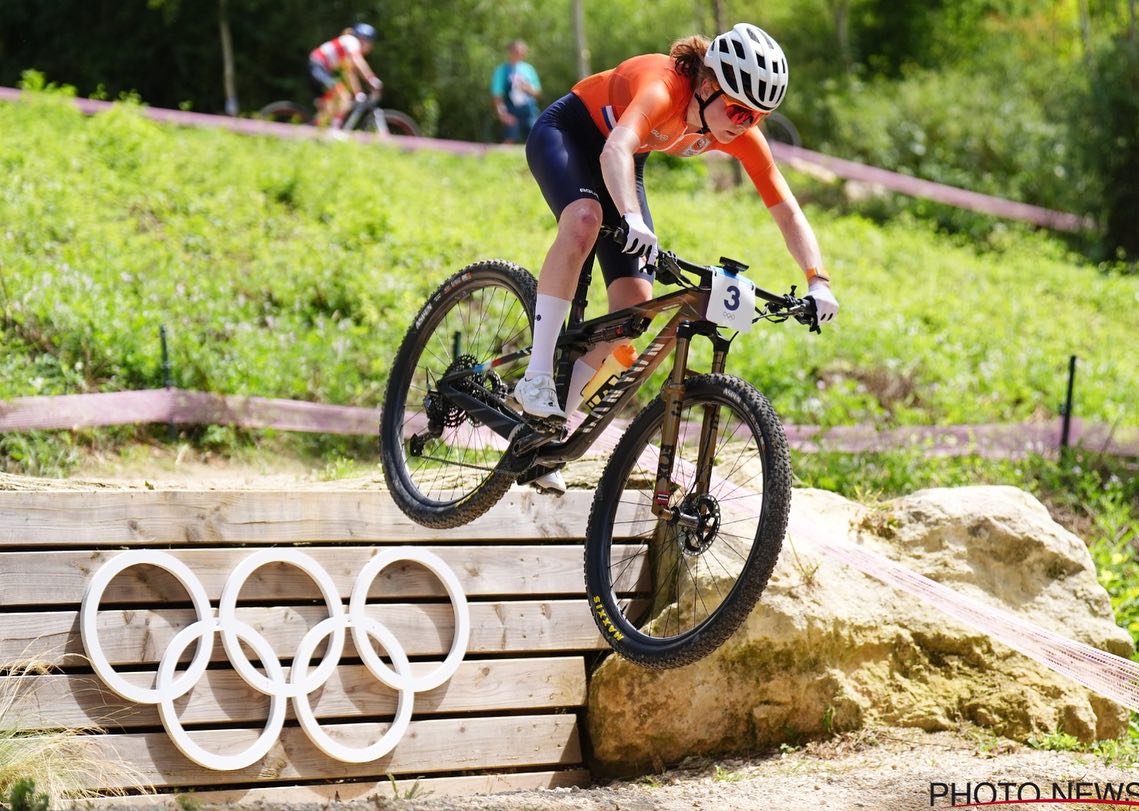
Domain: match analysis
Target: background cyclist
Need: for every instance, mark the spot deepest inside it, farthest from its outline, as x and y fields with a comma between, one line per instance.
x=339, y=61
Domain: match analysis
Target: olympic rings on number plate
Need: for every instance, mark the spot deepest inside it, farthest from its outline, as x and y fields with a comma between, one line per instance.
x=169, y=686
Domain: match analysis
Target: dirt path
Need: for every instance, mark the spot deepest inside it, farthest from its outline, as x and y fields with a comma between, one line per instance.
x=893, y=769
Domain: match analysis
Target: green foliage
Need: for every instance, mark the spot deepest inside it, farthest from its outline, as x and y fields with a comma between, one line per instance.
x=1122, y=754
x=23, y=797
x=1110, y=150
x=289, y=269
x=957, y=127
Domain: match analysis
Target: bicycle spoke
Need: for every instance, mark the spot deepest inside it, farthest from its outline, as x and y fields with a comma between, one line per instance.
x=695, y=563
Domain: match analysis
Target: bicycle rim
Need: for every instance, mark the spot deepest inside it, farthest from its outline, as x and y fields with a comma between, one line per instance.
x=667, y=591
x=442, y=456
x=400, y=123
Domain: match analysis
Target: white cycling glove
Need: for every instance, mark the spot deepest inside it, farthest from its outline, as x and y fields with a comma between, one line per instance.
x=639, y=238
x=826, y=305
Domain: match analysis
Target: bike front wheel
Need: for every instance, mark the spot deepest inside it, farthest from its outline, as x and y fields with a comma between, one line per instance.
x=666, y=591
x=440, y=464
x=392, y=122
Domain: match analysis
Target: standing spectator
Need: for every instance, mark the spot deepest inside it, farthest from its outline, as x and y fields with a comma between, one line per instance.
x=515, y=89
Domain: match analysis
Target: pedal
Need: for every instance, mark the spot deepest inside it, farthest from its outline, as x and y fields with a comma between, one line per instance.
x=535, y=433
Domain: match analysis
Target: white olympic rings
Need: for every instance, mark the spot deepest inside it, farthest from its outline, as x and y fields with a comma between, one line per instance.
x=300, y=682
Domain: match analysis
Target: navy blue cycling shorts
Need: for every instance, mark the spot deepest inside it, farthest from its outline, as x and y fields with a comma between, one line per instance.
x=564, y=153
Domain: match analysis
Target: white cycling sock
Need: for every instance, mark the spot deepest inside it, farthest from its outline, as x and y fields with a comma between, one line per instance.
x=582, y=374
x=549, y=316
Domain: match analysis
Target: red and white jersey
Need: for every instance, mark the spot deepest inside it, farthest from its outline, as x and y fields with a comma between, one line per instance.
x=333, y=53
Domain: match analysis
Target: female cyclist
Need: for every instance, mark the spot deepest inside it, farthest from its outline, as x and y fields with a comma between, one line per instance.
x=588, y=150
x=335, y=62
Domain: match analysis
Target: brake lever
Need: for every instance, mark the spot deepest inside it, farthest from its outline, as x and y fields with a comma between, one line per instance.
x=811, y=316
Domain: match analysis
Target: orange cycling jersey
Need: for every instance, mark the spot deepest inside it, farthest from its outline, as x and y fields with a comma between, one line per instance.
x=648, y=96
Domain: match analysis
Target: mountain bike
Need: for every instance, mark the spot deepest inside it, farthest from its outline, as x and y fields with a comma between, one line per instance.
x=364, y=115
x=691, y=509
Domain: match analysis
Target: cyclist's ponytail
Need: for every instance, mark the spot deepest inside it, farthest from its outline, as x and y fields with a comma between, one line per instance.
x=688, y=54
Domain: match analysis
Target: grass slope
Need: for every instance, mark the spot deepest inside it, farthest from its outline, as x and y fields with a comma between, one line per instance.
x=291, y=269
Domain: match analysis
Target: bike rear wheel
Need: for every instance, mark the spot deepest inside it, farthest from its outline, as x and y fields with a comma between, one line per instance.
x=440, y=465
x=284, y=111
x=666, y=592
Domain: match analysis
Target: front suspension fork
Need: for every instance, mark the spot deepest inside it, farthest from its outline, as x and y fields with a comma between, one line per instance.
x=673, y=396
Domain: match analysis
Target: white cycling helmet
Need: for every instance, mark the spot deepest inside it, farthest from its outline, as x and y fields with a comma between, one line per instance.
x=750, y=67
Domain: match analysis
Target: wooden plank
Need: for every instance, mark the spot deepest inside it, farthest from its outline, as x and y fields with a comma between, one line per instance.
x=58, y=578
x=145, y=517
x=431, y=787
x=222, y=697
x=140, y=636
x=434, y=745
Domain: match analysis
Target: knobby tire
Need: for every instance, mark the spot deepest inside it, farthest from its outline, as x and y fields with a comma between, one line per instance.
x=631, y=626
x=512, y=288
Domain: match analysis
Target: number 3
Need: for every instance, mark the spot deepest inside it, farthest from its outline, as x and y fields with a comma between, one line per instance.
x=733, y=303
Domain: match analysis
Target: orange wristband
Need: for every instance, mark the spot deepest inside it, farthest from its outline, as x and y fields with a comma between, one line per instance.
x=815, y=273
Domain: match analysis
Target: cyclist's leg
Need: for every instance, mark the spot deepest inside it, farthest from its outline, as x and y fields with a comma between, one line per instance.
x=627, y=282
x=323, y=85
x=563, y=152
x=340, y=104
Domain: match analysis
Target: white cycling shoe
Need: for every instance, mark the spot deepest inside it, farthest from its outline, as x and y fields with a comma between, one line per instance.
x=551, y=483
x=539, y=398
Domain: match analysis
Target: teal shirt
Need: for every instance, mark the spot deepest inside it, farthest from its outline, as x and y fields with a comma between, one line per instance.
x=501, y=81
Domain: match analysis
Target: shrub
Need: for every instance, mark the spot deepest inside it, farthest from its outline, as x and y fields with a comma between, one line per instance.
x=1110, y=151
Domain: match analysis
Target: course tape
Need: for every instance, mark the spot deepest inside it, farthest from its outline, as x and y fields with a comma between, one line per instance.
x=169, y=686
x=180, y=407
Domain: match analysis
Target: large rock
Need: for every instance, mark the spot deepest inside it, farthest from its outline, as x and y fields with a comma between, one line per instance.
x=829, y=648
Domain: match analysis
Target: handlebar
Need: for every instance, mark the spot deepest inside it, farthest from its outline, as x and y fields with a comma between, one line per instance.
x=777, y=307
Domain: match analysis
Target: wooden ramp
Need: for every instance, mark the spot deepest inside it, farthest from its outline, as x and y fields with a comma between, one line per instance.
x=507, y=717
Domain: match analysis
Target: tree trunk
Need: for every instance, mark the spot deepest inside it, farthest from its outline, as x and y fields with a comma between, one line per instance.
x=227, y=60
x=1085, y=29
x=840, y=11
x=579, y=38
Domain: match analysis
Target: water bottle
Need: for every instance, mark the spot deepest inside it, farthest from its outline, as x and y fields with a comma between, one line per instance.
x=619, y=360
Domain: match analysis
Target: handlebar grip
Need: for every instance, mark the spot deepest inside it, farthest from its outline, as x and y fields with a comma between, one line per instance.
x=812, y=315
x=616, y=233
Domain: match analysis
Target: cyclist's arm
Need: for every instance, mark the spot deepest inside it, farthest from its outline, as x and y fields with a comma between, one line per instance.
x=798, y=234
x=649, y=106
x=365, y=70
x=617, y=168
x=753, y=152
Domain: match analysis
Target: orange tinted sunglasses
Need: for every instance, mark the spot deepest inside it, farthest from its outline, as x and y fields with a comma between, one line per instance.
x=742, y=116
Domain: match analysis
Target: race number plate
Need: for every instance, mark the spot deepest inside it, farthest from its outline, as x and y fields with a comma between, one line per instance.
x=732, y=301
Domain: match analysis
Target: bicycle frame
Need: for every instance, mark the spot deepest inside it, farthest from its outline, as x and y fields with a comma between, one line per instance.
x=535, y=448
x=360, y=109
